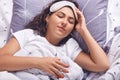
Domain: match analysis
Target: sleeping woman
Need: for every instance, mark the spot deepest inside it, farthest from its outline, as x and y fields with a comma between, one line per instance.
x=46, y=49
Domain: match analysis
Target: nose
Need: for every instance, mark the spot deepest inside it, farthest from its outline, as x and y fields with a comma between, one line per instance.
x=64, y=22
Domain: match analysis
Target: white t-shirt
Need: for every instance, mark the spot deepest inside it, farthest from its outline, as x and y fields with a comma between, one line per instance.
x=33, y=43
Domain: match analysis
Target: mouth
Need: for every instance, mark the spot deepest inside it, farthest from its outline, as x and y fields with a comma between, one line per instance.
x=61, y=28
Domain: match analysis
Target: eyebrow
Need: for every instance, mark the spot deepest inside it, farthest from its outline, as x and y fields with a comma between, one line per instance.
x=65, y=14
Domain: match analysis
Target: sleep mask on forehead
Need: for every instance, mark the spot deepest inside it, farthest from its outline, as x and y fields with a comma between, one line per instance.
x=56, y=6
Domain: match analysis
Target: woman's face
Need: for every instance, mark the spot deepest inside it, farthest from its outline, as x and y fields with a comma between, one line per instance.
x=60, y=23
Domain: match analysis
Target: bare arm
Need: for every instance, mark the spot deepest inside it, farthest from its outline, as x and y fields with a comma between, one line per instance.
x=14, y=63
x=97, y=60
x=8, y=61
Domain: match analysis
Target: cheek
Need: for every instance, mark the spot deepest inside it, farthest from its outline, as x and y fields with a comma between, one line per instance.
x=70, y=29
x=54, y=22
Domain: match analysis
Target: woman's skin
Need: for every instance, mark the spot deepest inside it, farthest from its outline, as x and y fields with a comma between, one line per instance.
x=60, y=25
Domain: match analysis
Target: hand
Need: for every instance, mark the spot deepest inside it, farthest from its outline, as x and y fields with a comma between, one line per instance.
x=52, y=65
x=81, y=21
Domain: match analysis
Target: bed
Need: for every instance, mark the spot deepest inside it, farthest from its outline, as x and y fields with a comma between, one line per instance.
x=7, y=14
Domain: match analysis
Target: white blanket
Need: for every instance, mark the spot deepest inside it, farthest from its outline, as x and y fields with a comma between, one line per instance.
x=5, y=19
x=113, y=73
x=113, y=17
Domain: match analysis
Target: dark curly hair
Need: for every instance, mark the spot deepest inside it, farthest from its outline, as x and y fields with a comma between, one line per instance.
x=39, y=24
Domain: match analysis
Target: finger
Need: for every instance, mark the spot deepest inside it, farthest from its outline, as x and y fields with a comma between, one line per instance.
x=52, y=73
x=79, y=13
x=58, y=73
x=62, y=66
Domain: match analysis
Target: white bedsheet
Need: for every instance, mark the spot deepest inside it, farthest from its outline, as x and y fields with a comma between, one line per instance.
x=113, y=17
x=5, y=18
x=113, y=73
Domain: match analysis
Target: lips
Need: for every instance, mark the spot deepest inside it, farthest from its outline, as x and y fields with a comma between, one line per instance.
x=61, y=28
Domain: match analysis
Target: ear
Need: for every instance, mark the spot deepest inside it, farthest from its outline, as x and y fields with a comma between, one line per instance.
x=47, y=18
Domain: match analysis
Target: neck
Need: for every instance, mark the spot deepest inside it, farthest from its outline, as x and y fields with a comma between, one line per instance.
x=53, y=40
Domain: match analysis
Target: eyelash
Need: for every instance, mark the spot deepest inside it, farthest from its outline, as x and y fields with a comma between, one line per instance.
x=62, y=16
x=72, y=22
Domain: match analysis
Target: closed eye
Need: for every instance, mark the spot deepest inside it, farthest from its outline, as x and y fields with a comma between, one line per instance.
x=71, y=20
x=61, y=15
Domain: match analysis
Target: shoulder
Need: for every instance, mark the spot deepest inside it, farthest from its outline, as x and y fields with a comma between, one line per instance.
x=24, y=33
x=71, y=41
x=24, y=36
x=73, y=48
x=72, y=44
